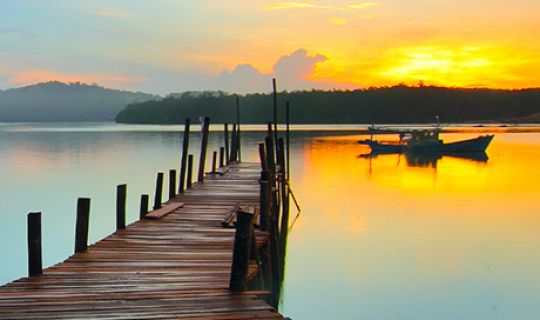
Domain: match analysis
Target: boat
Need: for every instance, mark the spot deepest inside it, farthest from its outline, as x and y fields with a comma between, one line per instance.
x=428, y=141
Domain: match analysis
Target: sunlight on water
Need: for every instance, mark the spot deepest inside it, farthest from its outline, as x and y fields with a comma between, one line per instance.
x=388, y=237
x=398, y=238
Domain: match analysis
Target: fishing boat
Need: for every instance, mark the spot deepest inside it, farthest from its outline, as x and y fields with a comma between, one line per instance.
x=428, y=141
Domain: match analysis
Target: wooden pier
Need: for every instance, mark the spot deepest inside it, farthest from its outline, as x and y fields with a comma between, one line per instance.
x=214, y=250
x=178, y=266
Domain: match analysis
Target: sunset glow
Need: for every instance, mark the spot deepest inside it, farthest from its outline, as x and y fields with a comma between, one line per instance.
x=196, y=45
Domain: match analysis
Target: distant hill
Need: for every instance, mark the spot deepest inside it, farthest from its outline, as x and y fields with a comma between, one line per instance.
x=398, y=104
x=57, y=101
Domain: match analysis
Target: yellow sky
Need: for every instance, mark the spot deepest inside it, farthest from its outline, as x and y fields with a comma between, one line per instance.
x=171, y=45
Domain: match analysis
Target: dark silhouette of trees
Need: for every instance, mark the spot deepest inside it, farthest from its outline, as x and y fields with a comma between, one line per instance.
x=398, y=104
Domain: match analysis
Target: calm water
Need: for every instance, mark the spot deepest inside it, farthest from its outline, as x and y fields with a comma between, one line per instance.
x=382, y=238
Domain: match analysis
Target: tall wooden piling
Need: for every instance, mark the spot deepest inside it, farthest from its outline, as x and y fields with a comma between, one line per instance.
x=288, y=140
x=143, y=209
x=121, y=191
x=185, y=149
x=204, y=146
x=159, y=191
x=81, y=225
x=214, y=162
x=242, y=246
x=270, y=157
x=234, y=146
x=172, y=184
x=274, y=89
x=226, y=138
x=221, y=157
x=190, y=172
x=238, y=132
x=35, y=266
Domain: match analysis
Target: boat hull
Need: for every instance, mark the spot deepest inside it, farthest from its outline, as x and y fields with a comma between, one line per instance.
x=478, y=144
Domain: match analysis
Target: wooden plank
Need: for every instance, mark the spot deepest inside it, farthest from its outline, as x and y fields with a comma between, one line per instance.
x=165, y=210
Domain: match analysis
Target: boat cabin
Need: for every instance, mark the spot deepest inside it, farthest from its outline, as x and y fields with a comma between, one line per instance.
x=420, y=137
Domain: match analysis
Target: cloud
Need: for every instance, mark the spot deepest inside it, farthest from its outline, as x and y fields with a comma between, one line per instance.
x=34, y=76
x=244, y=77
x=293, y=72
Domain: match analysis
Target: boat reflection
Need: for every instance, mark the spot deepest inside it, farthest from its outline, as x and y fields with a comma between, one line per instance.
x=429, y=160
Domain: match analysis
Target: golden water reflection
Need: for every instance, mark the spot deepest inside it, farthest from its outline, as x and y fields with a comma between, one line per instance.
x=454, y=239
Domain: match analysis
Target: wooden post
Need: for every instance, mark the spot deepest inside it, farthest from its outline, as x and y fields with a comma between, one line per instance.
x=264, y=201
x=270, y=154
x=204, y=145
x=274, y=87
x=275, y=257
x=242, y=245
x=238, y=132
x=258, y=283
x=121, y=191
x=221, y=157
x=263, y=157
x=234, y=148
x=144, y=206
x=185, y=149
x=226, y=137
x=190, y=172
x=159, y=191
x=81, y=225
x=34, y=244
x=172, y=184
x=270, y=131
x=288, y=141
x=214, y=162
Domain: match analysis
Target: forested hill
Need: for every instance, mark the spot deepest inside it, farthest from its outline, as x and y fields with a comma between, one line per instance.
x=56, y=101
x=399, y=104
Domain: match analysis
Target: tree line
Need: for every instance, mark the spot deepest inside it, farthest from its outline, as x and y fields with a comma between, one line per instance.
x=397, y=104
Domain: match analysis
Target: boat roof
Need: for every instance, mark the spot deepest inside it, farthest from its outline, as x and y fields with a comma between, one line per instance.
x=373, y=129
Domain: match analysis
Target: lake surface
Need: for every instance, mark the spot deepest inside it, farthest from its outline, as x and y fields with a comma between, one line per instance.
x=388, y=237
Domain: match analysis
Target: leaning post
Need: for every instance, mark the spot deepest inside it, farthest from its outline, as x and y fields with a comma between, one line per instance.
x=242, y=246
x=185, y=149
x=204, y=145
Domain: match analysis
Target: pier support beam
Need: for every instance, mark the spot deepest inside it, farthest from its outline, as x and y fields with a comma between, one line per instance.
x=185, y=149
x=35, y=267
x=81, y=226
x=241, y=253
x=204, y=146
x=144, y=206
x=159, y=191
x=121, y=191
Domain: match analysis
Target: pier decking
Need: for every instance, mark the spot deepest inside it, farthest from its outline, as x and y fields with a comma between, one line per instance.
x=178, y=266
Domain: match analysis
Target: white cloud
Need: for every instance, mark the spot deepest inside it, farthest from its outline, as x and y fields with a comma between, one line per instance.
x=243, y=78
x=291, y=71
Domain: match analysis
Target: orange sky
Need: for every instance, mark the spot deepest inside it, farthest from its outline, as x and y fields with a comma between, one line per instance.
x=175, y=46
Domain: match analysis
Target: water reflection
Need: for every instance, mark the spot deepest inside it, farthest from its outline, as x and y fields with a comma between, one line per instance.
x=429, y=160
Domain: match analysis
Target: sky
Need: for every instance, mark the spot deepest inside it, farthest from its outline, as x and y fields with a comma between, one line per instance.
x=164, y=46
